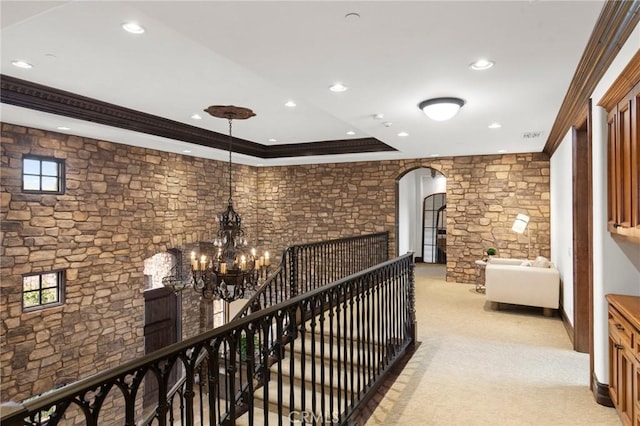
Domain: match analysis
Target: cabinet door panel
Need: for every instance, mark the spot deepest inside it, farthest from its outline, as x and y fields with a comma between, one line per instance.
x=624, y=364
x=636, y=393
x=635, y=157
x=614, y=385
x=623, y=166
x=625, y=397
x=612, y=173
x=624, y=160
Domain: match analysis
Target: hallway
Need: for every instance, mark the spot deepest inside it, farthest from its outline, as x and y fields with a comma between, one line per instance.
x=475, y=366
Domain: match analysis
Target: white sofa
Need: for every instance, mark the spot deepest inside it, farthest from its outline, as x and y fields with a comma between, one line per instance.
x=509, y=281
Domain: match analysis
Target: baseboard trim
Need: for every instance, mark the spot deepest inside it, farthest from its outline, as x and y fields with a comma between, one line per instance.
x=601, y=392
x=365, y=408
x=567, y=325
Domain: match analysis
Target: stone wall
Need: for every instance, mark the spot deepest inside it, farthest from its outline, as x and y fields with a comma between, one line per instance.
x=484, y=194
x=122, y=205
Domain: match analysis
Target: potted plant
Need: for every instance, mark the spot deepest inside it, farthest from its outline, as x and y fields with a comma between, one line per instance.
x=491, y=251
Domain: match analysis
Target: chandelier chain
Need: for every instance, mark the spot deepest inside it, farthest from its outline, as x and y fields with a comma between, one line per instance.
x=230, y=151
x=224, y=268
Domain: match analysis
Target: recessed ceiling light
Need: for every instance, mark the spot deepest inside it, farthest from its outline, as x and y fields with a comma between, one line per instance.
x=502, y=151
x=290, y=104
x=133, y=28
x=434, y=155
x=21, y=64
x=186, y=151
x=387, y=124
x=481, y=65
x=352, y=15
x=63, y=128
x=495, y=125
x=273, y=140
x=338, y=87
x=403, y=134
x=378, y=116
x=351, y=133
x=196, y=117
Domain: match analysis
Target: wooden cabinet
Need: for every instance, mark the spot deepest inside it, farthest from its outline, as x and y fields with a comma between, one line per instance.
x=624, y=357
x=636, y=393
x=622, y=103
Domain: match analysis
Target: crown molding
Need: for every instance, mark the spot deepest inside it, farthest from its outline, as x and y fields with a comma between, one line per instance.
x=625, y=82
x=615, y=24
x=26, y=94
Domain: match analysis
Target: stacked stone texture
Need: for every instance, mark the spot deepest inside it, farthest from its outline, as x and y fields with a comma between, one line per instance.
x=484, y=194
x=124, y=204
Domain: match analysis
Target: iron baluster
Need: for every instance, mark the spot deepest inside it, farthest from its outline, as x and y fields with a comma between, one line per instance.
x=313, y=364
x=370, y=318
x=280, y=354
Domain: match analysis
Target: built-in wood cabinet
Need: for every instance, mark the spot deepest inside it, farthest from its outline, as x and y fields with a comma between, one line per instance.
x=622, y=103
x=624, y=356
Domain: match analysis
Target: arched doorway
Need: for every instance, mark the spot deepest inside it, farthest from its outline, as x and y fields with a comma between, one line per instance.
x=413, y=188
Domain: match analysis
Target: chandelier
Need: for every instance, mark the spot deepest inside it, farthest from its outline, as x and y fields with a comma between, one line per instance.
x=225, y=268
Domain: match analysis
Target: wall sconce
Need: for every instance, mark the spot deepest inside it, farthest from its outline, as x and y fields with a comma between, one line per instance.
x=519, y=226
x=441, y=109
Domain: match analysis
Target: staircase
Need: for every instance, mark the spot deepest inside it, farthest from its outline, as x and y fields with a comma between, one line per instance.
x=321, y=374
x=324, y=352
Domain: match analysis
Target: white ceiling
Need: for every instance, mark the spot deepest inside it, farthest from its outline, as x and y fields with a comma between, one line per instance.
x=261, y=54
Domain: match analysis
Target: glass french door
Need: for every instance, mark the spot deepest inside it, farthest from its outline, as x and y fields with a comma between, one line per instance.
x=434, y=228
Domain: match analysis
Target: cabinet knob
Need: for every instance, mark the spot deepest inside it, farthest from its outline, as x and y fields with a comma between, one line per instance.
x=619, y=326
x=618, y=346
x=616, y=225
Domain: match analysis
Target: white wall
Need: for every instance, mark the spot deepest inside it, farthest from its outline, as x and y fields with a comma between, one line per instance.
x=561, y=202
x=413, y=187
x=618, y=268
x=616, y=264
x=433, y=185
x=406, y=203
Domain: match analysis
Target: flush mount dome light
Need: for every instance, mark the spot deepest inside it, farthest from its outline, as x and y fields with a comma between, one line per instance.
x=441, y=109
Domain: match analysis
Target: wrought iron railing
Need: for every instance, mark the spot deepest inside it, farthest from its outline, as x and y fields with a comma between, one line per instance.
x=305, y=267
x=341, y=339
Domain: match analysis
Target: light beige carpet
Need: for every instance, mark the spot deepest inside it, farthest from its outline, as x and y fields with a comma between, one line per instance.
x=475, y=366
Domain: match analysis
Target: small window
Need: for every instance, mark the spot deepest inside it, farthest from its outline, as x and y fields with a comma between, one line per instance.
x=42, y=290
x=42, y=175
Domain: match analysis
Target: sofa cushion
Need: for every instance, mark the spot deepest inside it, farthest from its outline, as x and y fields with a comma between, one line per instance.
x=505, y=261
x=541, y=262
